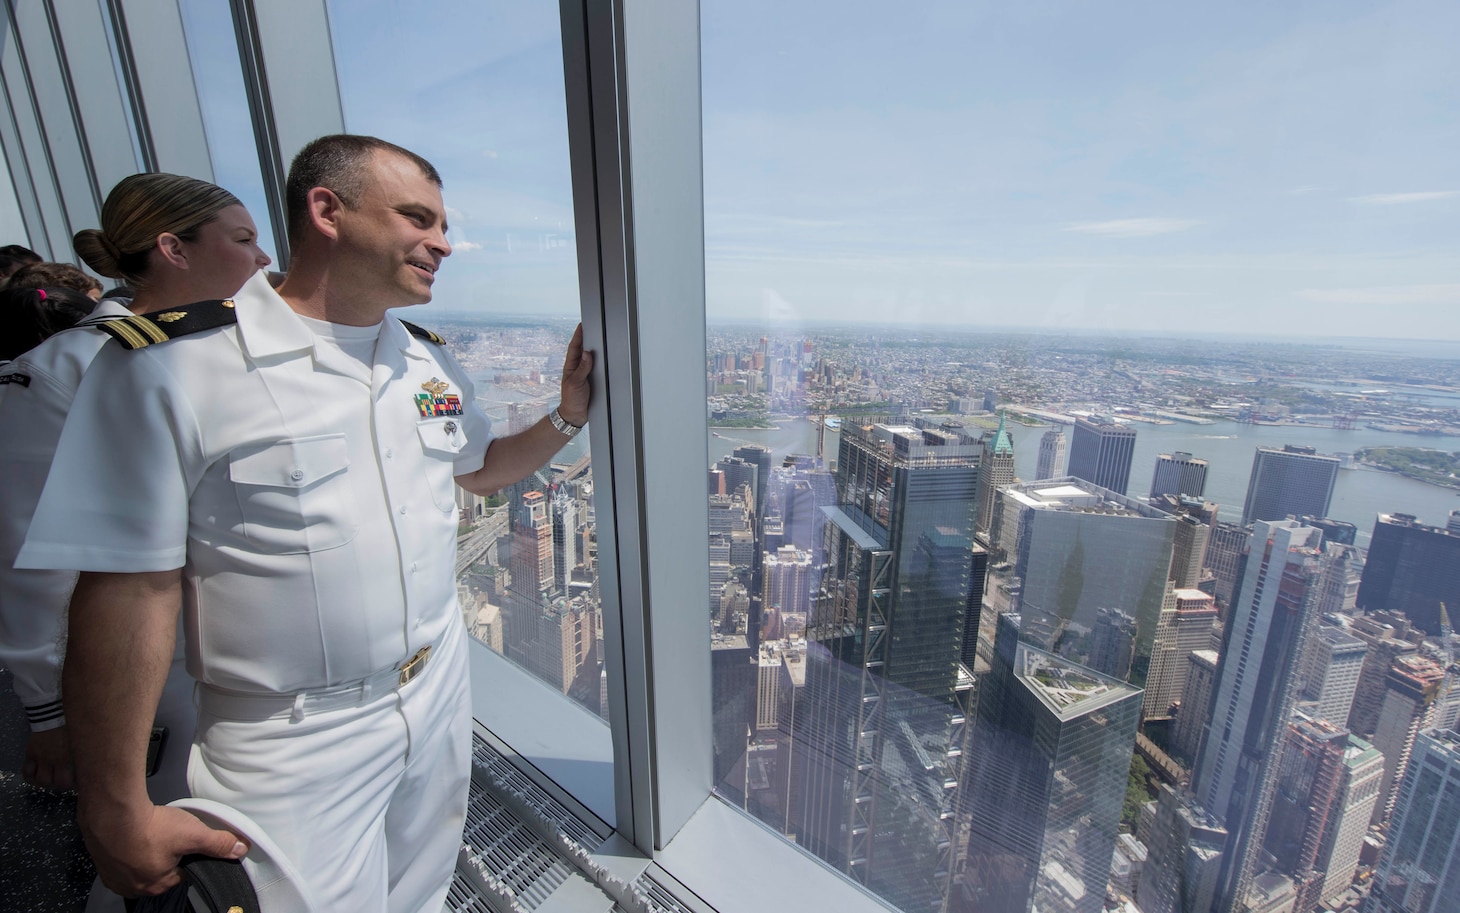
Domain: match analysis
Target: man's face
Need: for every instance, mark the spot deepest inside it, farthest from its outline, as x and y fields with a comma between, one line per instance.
x=395, y=240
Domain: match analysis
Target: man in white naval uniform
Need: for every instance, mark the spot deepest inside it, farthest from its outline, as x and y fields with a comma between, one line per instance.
x=297, y=466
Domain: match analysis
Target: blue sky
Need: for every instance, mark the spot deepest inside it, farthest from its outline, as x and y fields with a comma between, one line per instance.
x=1255, y=167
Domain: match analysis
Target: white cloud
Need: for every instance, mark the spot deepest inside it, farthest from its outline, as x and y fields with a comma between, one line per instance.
x=1133, y=228
x=1385, y=295
x=1392, y=199
x=460, y=246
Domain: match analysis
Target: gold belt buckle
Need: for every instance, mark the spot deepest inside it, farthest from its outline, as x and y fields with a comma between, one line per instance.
x=415, y=664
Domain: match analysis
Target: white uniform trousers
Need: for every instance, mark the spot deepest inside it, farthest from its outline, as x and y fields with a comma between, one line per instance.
x=368, y=800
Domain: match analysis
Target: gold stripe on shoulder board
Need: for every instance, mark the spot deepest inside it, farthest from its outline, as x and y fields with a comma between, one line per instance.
x=147, y=328
x=125, y=333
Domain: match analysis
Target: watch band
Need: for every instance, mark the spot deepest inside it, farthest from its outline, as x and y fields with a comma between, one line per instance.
x=564, y=426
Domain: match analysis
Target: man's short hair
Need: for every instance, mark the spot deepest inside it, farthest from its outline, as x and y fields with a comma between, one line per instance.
x=338, y=164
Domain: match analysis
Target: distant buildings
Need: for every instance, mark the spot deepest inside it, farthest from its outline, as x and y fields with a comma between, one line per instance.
x=1101, y=452
x=1419, y=871
x=1179, y=473
x=1411, y=568
x=995, y=470
x=1051, y=454
x=1292, y=482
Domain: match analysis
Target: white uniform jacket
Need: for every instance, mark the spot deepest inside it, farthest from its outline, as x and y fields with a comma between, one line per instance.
x=35, y=395
x=314, y=519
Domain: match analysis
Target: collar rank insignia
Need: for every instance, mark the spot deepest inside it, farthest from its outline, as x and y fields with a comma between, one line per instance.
x=436, y=401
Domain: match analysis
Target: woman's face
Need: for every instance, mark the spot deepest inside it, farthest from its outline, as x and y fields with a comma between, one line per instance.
x=225, y=254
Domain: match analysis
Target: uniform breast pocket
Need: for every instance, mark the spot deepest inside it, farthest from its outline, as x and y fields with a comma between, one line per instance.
x=294, y=495
x=442, y=440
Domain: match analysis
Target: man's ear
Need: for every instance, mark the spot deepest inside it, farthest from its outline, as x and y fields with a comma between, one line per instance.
x=324, y=209
x=170, y=249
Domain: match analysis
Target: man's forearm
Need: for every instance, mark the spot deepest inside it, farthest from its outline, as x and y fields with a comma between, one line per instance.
x=120, y=646
x=512, y=458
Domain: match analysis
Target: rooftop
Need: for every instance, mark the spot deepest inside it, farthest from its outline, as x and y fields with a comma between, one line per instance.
x=1067, y=688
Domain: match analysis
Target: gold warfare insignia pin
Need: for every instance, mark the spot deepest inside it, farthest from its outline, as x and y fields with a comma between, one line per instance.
x=435, y=386
x=171, y=316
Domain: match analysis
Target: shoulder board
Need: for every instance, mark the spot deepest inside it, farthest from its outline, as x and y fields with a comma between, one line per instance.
x=137, y=331
x=422, y=333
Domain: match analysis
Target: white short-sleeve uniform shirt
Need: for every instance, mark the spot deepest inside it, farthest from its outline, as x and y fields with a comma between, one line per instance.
x=312, y=509
x=35, y=395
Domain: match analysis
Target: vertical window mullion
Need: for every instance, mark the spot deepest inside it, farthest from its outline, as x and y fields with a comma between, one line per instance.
x=634, y=126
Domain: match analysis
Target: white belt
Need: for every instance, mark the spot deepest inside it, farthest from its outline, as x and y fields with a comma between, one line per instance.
x=245, y=705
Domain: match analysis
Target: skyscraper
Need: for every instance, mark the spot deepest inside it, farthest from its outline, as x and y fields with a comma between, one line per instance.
x=995, y=470
x=1257, y=685
x=1196, y=701
x=1224, y=557
x=1101, y=452
x=1051, y=752
x=1363, y=767
x=1411, y=568
x=1051, y=454
x=1327, y=782
x=1409, y=704
x=1185, y=860
x=760, y=458
x=1070, y=548
x=1292, y=482
x=531, y=568
x=882, y=663
x=1188, y=551
x=1331, y=669
x=1179, y=473
x=1419, y=871
x=1185, y=627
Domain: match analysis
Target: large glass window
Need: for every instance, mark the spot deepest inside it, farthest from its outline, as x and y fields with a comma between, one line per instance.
x=213, y=49
x=489, y=114
x=1030, y=327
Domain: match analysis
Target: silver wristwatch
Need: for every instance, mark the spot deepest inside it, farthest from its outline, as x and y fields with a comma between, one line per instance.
x=564, y=426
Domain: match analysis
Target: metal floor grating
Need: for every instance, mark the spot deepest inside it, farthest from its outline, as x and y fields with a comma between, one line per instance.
x=492, y=762
x=506, y=866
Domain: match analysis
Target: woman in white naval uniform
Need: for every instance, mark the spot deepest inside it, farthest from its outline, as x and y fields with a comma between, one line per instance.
x=296, y=461
x=175, y=240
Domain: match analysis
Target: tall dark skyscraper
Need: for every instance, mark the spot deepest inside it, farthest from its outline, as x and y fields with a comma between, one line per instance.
x=1292, y=482
x=884, y=645
x=1101, y=452
x=1050, y=755
x=1412, y=568
x=1179, y=473
x=1257, y=685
